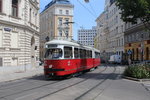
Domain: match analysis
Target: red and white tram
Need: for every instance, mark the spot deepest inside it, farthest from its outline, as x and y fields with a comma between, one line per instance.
x=63, y=58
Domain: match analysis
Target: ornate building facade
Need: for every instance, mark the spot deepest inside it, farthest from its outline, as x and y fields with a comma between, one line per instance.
x=19, y=35
x=111, y=30
x=56, y=22
x=137, y=41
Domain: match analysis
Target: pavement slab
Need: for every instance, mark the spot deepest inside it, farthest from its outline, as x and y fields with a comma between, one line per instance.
x=124, y=90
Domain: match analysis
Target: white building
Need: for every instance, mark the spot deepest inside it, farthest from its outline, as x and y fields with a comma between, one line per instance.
x=19, y=35
x=116, y=28
x=111, y=30
x=100, y=38
x=86, y=36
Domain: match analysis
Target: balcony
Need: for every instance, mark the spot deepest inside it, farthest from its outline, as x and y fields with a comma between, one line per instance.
x=106, y=30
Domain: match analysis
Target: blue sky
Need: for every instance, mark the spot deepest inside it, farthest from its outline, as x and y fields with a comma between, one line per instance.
x=85, y=14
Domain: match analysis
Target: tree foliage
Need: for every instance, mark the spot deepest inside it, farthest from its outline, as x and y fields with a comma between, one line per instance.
x=131, y=10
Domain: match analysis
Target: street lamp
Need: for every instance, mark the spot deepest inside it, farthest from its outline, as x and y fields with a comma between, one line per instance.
x=65, y=31
x=86, y=1
x=68, y=23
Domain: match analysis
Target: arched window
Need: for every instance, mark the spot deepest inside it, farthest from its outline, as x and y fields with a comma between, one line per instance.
x=137, y=54
x=30, y=14
x=15, y=8
x=32, y=41
x=133, y=54
x=147, y=53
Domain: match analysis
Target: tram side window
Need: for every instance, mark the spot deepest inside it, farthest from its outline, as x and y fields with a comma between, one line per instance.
x=90, y=54
x=82, y=53
x=87, y=54
x=97, y=55
x=68, y=52
x=76, y=53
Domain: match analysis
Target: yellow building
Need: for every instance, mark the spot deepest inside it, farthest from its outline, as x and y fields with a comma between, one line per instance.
x=137, y=42
x=56, y=22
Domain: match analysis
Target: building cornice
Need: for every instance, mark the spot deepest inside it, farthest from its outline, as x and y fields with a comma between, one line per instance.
x=21, y=26
x=34, y=4
x=64, y=5
x=63, y=15
x=1, y=13
x=135, y=28
x=57, y=5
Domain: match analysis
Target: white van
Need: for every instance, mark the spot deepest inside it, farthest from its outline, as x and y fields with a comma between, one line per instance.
x=115, y=59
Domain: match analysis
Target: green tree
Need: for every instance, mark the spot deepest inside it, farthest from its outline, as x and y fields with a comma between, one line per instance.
x=131, y=10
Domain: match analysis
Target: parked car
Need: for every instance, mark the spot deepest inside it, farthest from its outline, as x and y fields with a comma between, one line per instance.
x=115, y=59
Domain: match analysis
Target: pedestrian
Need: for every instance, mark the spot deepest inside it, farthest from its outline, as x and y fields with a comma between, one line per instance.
x=129, y=61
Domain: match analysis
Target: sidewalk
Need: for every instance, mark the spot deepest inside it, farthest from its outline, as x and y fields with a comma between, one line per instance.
x=146, y=85
x=20, y=75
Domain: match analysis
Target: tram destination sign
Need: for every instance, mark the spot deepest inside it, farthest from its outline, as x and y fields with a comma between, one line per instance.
x=51, y=46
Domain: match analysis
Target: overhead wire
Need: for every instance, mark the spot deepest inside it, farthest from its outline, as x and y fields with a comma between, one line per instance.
x=92, y=9
x=87, y=9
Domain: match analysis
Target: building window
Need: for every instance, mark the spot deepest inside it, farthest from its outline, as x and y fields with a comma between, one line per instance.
x=116, y=29
x=1, y=38
x=30, y=15
x=0, y=5
x=67, y=12
x=15, y=8
x=66, y=21
x=60, y=21
x=1, y=62
x=60, y=32
x=67, y=33
x=116, y=19
x=60, y=12
x=122, y=42
x=36, y=19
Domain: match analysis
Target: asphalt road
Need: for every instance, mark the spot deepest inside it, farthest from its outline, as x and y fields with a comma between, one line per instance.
x=104, y=83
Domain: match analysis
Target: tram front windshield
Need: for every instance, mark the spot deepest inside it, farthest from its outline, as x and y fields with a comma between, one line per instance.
x=53, y=53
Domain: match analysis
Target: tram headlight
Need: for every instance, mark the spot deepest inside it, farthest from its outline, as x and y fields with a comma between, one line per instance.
x=50, y=66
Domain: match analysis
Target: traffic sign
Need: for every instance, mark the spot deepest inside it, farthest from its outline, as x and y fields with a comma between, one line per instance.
x=129, y=52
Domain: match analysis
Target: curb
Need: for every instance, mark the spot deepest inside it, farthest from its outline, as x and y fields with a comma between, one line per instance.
x=19, y=76
x=135, y=79
x=10, y=80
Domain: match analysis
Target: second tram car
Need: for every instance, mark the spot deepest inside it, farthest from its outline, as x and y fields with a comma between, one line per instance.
x=63, y=58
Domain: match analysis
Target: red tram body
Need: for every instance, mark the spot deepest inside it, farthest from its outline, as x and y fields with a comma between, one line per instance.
x=65, y=58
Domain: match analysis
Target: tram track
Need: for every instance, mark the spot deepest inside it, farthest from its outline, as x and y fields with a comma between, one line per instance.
x=69, y=86
x=16, y=84
x=1, y=97
x=28, y=89
x=87, y=92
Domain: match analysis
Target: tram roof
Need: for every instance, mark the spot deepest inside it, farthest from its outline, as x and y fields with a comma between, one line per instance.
x=70, y=43
x=63, y=42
